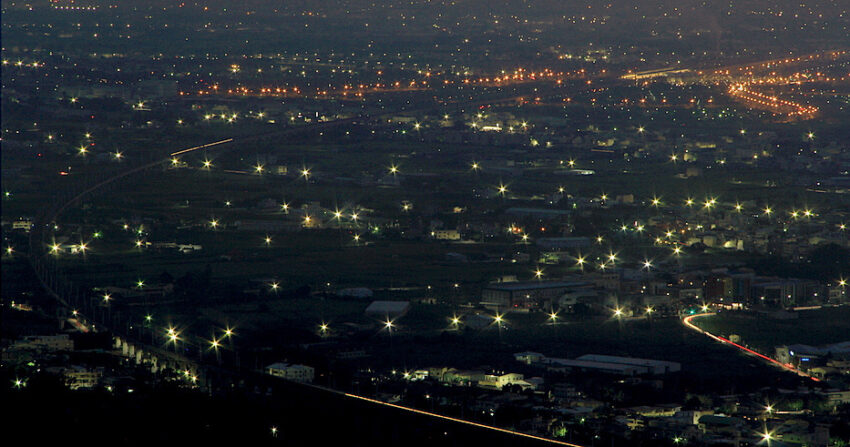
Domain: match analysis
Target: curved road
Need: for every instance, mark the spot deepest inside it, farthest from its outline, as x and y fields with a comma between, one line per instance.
x=687, y=321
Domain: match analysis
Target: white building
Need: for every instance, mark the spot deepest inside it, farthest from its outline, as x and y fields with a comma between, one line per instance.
x=295, y=373
x=77, y=377
x=498, y=381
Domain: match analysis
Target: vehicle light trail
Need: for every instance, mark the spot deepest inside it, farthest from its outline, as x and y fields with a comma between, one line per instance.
x=228, y=140
x=786, y=366
x=460, y=421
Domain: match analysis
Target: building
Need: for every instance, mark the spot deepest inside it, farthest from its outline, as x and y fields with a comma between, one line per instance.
x=388, y=309
x=498, y=381
x=61, y=342
x=446, y=235
x=295, y=373
x=527, y=295
x=77, y=377
x=653, y=366
x=609, y=364
x=591, y=366
x=562, y=243
x=529, y=357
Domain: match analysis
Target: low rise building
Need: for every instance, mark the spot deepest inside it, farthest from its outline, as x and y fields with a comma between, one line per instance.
x=295, y=373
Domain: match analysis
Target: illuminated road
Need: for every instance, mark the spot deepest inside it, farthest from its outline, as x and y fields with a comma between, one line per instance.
x=460, y=421
x=786, y=366
x=203, y=146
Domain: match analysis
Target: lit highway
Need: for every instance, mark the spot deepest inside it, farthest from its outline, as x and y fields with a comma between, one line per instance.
x=786, y=366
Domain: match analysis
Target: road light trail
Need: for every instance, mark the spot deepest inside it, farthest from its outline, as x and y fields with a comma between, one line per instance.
x=460, y=421
x=786, y=366
x=203, y=146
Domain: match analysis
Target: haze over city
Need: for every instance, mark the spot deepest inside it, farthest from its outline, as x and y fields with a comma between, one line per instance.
x=511, y=222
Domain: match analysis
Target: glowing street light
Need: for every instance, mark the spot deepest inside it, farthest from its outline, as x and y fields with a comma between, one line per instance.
x=268, y=240
x=553, y=317
x=207, y=164
x=647, y=264
x=393, y=169
x=502, y=189
x=258, y=168
x=618, y=313
x=106, y=297
x=538, y=273
x=305, y=172
x=475, y=166
x=274, y=286
x=214, y=223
